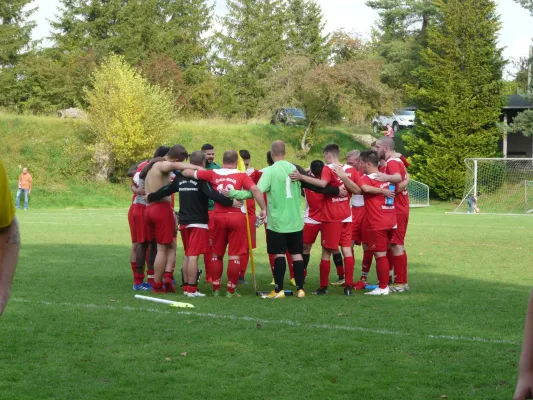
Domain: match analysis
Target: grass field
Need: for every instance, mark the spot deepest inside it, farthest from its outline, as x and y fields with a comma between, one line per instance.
x=74, y=330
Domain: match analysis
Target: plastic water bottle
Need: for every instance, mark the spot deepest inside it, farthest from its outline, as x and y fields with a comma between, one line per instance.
x=388, y=200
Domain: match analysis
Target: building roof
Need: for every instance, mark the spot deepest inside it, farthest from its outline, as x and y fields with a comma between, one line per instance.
x=517, y=102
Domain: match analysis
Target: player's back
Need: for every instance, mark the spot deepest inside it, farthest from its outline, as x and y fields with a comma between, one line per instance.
x=379, y=214
x=314, y=204
x=193, y=201
x=284, y=198
x=226, y=179
x=156, y=179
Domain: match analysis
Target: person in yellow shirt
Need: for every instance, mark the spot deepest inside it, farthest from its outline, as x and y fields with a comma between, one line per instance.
x=9, y=239
x=25, y=183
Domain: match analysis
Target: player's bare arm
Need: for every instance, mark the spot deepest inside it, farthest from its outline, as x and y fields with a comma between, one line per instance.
x=9, y=252
x=258, y=196
x=137, y=190
x=396, y=178
x=403, y=184
x=348, y=183
x=524, y=386
x=167, y=166
x=296, y=176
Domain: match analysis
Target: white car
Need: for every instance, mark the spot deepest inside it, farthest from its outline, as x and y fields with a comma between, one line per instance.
x=403, y=118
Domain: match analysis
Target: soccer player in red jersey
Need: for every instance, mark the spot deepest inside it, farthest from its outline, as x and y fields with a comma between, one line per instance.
x=396, y=173
x=379, y=211
x=230, y=223
x=336, y=220
x=160, y=215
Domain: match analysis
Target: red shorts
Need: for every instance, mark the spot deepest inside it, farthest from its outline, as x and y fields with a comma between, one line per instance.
x=144, y=233
x=335, y=234
x=211, y=223
x=230, y=229
x=131, y=222
x=358, y=215
x=378, y=241
x=160, y=218
x=311, y=232
x=399, y=233
x=195, y=240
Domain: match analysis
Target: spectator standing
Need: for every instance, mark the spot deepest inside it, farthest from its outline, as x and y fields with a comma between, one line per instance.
x=25, y=184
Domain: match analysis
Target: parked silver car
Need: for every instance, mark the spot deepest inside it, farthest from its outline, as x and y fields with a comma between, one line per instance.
x=400, y=119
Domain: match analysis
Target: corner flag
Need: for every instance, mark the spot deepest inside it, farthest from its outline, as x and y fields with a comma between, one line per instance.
x=242, y=168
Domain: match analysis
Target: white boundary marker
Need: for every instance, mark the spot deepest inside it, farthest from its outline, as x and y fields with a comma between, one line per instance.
x=349, y=328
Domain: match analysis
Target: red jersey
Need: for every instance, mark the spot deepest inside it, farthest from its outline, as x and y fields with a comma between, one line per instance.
x=404, y=161
x=337, y=208
x=137, y=172
x=254, y=175
x=401, y=202
x=225, y=179
x=358, y=199
x=379, y=215
x=312, y=213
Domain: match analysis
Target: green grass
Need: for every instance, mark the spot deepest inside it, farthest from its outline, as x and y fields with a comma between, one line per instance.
x=58, y=154
x=73, y=329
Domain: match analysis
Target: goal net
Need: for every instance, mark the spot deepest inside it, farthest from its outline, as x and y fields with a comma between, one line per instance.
x=419, y=194
x=498, y=186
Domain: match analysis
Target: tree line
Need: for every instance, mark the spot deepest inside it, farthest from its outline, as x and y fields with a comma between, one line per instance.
x=441, y=56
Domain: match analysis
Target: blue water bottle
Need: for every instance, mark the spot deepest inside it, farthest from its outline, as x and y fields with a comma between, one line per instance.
x=388, y=200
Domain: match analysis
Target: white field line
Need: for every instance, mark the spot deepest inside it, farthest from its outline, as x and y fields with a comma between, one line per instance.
x=278, y=322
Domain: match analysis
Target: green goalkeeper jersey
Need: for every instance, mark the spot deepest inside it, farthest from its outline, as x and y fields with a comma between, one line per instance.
x=284, y=212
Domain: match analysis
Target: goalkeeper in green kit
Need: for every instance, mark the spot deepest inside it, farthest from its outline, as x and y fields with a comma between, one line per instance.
x=284, y=218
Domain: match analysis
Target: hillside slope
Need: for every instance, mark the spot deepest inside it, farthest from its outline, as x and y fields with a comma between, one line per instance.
x=58, y=154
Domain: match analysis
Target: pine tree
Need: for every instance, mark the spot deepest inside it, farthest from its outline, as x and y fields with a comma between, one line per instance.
x=401, y=36
x=15, y=42
x=250, y=45
x=305, y=27
x=459, y=96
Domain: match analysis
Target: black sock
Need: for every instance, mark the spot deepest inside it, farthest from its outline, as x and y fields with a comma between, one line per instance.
x=299, y=276
x=337, y=260
x=182, y=280
x=306, y=258
x=280, y=265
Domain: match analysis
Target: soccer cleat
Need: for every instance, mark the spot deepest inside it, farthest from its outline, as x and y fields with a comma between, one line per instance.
x=300, y=294
x=348, y=290
x=293, y=282
x=216, y=293
x=321, y=291
x=189, y=294
x=340, y=282
x=141, y=286
x=232, y=295
x=276, y=295
x=379, y=292
x=198, y=294
x=359, y=285
x=399, y=287
x=242, y=281
x=147, y=285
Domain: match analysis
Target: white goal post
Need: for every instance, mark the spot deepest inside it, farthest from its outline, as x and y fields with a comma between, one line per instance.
x=498, y=186
x=419, y=194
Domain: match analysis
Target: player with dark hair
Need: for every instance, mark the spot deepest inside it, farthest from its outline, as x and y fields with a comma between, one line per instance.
x=230, y=223
x=380, y=213
x=160, y=214
x=194, y=198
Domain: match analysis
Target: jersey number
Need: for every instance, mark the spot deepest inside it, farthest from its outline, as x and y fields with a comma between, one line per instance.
x=288, y=187
x=221, y=187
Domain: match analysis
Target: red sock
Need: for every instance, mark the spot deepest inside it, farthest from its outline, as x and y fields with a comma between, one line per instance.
x=271, y=261
x=168, y=282
x=289, y=261
x=382, y=268
x=157, y=287
x=150, y=273
x=185, y=288
x=234, y=267
x=406, y=263
x=325, y=267
x=208, y=266
x=349, y=268
x=400, y=269
x=244, y=264
x=138, y=278
x=216, y=271
x=367, y=263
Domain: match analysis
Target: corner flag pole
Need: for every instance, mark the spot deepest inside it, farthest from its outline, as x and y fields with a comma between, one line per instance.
x=242, y=168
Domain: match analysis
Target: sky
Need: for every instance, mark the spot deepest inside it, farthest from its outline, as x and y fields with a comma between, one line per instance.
x=353, y=15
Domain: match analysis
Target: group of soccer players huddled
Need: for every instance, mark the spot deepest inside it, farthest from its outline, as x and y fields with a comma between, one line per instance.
x=362, y=201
